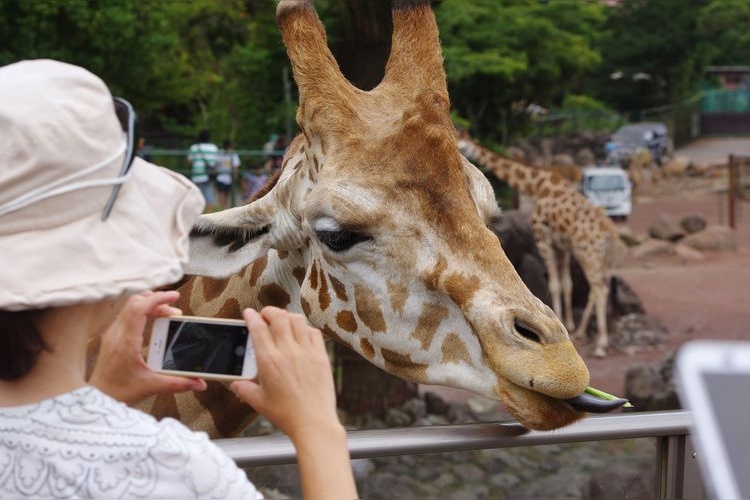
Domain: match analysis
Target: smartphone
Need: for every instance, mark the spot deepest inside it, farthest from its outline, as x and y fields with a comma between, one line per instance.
x=209, y=348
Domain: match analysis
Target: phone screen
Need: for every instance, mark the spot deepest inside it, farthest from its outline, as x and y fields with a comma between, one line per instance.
x=205, y=348
x=729, y=394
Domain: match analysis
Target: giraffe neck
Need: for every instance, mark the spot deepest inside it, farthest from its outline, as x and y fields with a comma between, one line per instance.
x=527, y=180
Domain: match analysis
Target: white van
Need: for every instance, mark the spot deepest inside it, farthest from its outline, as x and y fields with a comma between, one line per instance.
x=608, y=187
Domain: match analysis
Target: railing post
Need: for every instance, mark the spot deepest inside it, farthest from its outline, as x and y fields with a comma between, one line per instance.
x=677, y=473
x=732, y=190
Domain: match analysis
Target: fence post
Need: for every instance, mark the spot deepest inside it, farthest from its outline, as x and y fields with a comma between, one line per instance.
x=732, y=171
x=677, y=474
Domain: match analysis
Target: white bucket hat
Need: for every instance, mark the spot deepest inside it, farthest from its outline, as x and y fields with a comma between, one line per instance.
x=62, y=150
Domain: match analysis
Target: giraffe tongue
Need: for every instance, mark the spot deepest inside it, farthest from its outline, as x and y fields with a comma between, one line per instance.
x=592, y=404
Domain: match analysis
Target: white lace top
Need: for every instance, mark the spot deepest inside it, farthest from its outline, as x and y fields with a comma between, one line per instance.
x=84, y=444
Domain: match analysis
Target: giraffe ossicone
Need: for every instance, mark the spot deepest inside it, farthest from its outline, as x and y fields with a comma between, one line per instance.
x=377, y=231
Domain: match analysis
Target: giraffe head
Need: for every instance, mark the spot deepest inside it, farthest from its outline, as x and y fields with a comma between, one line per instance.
x=377, y=231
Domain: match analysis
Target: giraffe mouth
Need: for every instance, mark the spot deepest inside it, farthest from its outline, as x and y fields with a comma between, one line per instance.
x=592, y=404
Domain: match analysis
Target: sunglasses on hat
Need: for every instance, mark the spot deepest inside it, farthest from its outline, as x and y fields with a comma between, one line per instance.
x=127, y=118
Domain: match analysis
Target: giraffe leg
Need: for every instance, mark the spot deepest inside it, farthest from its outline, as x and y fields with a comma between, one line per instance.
x=585, y=317
x=567, y=290
x=553, y=278
x=602, y=339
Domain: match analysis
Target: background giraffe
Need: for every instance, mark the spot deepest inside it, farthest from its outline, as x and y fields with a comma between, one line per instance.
x=377, y=231
x=564, y=223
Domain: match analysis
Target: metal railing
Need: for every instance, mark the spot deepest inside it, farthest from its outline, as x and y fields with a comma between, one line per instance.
x=677, y=474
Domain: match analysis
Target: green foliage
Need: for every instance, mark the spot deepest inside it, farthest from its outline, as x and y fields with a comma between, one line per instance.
x=503, y=54
x=650, y=53
x=221, y=65
x=723, y=29
x=581, y=102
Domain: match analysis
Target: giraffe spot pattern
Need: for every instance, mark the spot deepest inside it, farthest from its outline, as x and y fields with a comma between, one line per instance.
x=433, y=277
x=186, y=291
x=224, y=407
x=403, y=365
x=429, y=322
x=305, y=306
x=454, y=350
x=273, y=295
x=368, y=309
x=339, y=288
x=299, y=274
x=368, y=351
x=165, y=405
x=462, y=289
x=324, y=298
x=230, y=309
x=257, y=269
x=314, y=275
x=398, y=294
x=333, y=335
x=346, y=320
x=212, y=288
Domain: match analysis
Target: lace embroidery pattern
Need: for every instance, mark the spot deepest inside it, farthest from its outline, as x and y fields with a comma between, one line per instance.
x=84, y=444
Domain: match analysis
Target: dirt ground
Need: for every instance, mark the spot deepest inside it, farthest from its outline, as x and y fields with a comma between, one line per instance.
x=706, y=298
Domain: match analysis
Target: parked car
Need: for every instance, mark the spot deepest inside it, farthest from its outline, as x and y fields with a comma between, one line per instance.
x=630, y=138
x=609, y=188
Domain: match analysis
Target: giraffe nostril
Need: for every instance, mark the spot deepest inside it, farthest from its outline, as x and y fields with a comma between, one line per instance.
x=527, y=333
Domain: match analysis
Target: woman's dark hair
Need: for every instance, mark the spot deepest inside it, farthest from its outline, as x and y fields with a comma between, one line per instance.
x=20, y=343
x=204, y=136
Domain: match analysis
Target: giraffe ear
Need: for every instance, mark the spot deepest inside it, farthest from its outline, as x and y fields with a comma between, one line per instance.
x=481, y=191
x=223, y=243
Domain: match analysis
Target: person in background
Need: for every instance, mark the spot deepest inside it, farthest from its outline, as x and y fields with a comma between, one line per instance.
x=87, y=229
x=228, y=165
x=277, y=156
x=143, y=150
x=202, y=157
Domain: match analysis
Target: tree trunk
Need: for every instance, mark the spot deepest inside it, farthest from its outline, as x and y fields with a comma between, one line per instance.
x=362, y=53
x=365, y=388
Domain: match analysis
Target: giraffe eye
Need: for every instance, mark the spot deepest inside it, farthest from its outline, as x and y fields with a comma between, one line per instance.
x=341, y=239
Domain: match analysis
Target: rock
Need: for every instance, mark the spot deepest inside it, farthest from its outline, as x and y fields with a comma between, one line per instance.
x=693, y=223
x=623, y=480
x=585, y=157
x=515, y=153
x=652, y=389
x=505, y=480
x=652, y=248
x=533, y=273
x=628, y=236
x=396, y=417
x=564, y=484
x=470, y=492
x=666, y=228
x=396, y=486
x=641, y=382
x=686, y=253
x=562, y=160
x=469, y=472
x=416, y=408
x=623, y=299
x=435, y=405
x=676, y=167
x=712, y=239
x=481, y=406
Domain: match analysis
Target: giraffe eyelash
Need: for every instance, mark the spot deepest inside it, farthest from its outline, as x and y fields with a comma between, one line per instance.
x=234, y=237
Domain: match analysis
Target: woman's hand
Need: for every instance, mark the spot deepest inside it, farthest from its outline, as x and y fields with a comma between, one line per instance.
x=120, y=369
x=295, y=391
x=294, y=388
